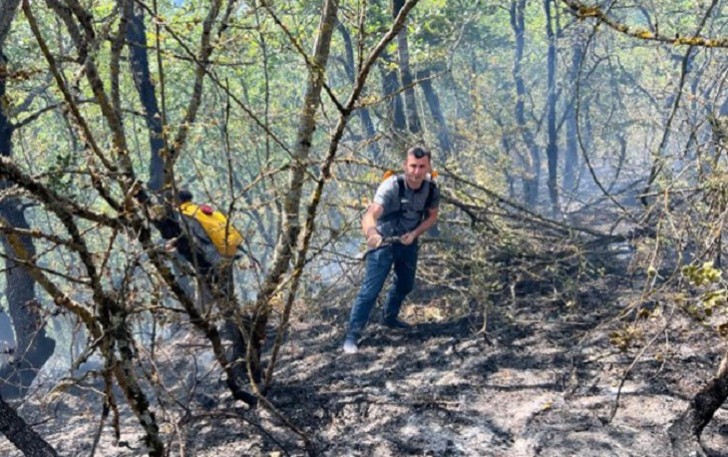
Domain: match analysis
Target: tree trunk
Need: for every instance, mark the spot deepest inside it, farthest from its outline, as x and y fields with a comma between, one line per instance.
x=364, y=117
x=571, y=155
x=139, y=59
x=18, y=432
x=686, y=430
x=405, y=74
x=532, y=171
x=32, y=347
x=290, y=227
x=390, y=88
x=7, y=337
x=433, y=101
x=552, y=151
x=463, y=94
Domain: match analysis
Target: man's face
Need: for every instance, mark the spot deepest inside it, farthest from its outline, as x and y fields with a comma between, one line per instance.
x=415, y=170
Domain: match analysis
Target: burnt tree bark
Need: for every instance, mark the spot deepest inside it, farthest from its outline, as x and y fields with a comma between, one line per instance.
x=686, y=430
x=22, y=435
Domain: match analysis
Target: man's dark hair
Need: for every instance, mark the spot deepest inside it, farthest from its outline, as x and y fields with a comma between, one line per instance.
x=419, y=152
x=184, y=196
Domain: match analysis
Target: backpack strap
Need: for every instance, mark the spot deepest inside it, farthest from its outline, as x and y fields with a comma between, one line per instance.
x=428, y=201
x=395, y=214
x=430, y=194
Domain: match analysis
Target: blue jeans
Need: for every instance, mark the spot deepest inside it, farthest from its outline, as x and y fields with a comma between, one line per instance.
x=379, y=263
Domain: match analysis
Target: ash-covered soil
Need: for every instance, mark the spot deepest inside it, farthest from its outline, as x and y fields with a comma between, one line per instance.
x=544, y=380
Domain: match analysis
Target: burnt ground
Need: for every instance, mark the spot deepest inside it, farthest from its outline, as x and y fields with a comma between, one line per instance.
x=542, y=381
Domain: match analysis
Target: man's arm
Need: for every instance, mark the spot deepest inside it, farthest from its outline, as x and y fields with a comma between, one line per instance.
x=369, y=225
x=410, y=237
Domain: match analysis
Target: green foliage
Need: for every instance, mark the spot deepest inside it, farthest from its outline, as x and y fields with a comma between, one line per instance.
x=702, y=275
x=712, y=294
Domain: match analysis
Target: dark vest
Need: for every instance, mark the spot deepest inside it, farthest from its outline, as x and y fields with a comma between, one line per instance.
x=410, y=212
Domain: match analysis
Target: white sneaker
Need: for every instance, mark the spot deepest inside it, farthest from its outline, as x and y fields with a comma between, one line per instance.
x=350, y=347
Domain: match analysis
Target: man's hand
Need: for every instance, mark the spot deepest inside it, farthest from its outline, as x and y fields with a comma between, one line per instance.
x=374, y=238
x=408, y=238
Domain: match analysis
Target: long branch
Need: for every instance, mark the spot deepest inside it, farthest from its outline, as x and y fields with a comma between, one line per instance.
x=583, y=11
